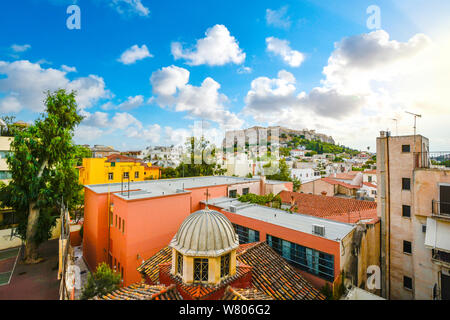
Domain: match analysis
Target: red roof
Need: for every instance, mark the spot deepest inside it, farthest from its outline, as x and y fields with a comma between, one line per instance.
x=370, y=184
x=344, y=184
x=344, y=176
x=113, y=158
x=333, y=208
x=370, y=172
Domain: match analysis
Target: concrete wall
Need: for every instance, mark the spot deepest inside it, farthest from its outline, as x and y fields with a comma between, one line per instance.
x=317, y=187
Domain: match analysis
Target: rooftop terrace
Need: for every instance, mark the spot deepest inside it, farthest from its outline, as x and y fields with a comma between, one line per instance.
x=304, y=223
x=156, y=188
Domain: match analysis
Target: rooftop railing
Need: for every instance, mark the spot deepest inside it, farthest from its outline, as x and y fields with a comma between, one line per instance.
x=432, y=159
x=441, y=209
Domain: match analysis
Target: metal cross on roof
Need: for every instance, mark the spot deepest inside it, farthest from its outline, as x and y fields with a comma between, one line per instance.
x=207, y=194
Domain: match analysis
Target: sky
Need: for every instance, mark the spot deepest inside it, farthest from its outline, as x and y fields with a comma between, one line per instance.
x=147, y=72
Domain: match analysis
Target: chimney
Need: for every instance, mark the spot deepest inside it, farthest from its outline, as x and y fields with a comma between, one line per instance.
x=324, y=193
x=262, y=185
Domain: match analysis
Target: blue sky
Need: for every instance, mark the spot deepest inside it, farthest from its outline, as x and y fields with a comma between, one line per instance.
x=269, y=67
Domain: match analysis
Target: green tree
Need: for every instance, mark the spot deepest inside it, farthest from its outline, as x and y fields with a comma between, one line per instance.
x=283, y=174
x=296, y=184
x=82, y=152
x=102, y=282
x=44, y=177
x=199, y=160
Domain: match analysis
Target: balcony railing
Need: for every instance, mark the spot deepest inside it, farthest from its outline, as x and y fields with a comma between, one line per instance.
x=441, y=209
x=432, y=159
x=441, y=256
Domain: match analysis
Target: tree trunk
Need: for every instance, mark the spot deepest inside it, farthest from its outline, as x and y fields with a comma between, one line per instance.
x=31, y=254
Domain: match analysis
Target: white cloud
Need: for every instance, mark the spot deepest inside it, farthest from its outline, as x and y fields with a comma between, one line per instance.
x=216, y=49
x=10, y=104
x=132, y=103
x=123, y=120
x=135, y=53
x=170, y=85
x=86, y=133
x=28, y=81
x=130, y=7
x=20, y=48
x=269, y=97
x=369, y=80
x=68, y=69
x=278, y=18
x=244, y=69
x=281, y=48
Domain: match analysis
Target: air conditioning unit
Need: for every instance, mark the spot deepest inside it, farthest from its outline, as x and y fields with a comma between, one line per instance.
x=233, y=209
x=318, y=230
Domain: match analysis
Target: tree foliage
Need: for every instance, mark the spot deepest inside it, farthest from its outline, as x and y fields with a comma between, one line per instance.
x=42, y=164
x=103, y=281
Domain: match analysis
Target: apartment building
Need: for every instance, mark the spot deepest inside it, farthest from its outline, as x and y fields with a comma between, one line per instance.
x=123, y=225
x=5, y=174
x=414, y=207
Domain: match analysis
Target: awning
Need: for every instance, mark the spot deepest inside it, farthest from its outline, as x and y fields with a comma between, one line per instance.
x=437, y=235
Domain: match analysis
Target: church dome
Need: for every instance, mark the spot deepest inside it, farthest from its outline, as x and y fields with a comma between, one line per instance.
x=205, y=233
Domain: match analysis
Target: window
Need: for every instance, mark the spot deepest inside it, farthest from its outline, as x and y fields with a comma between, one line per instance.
x=245, y=191
x=136, y=175
x=110, y=176
x=116, y=220
x=113, y=164
x=369, y=178
x=224, y=265
x=126, y=175
x=407, y=247
x=246, y=235
x=120, y=223
x=424, y=228
x=179, y=264
x=123, y=226
x=200, y=270
x=406, y=183
x=310, y=260
x=111, y=218
x=232, y=193
x=406, y=148
x=407, y=283
x=406, y=211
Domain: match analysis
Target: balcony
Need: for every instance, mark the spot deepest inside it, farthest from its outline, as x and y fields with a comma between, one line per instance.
x=441, y=257
x=440, y=159
x=441, y=210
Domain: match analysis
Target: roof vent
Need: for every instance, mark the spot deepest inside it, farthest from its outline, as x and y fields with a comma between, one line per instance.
x=233, y=209
x=318, y=230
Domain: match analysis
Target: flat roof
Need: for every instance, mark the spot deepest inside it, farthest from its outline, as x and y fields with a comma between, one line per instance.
x=334, y=230
x=156, y=188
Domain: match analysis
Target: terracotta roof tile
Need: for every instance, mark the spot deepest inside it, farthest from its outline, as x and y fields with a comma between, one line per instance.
x=142, y=291
x=245, y=294
x=150, y=267
x=272, y=275
x=333, y=208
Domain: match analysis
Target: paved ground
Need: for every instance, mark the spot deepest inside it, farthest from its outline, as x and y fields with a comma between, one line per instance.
x=37, y=281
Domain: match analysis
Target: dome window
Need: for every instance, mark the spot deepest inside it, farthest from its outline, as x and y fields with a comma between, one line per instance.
x=225, y=265
x=179, y=264
x=200, y=270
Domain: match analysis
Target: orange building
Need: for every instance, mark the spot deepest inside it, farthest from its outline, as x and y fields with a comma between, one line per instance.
x=124, y=226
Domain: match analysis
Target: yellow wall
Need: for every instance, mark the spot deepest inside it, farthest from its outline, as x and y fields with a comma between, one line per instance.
x=96, y=170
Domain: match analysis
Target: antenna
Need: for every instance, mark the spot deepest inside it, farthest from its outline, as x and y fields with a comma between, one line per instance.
x=396, y=126
x=415, y=117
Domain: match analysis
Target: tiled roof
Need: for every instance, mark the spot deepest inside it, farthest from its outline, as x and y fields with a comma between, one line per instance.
x=244, y=294
x=142, y=291
x=334, y=208
x=150, y=267
x=370, y=172
x=272, y=275
x=202, y=291
x=332, y=181
x=370, y=184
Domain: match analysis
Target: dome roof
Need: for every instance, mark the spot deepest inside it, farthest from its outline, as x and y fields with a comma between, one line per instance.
x=205, y=233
